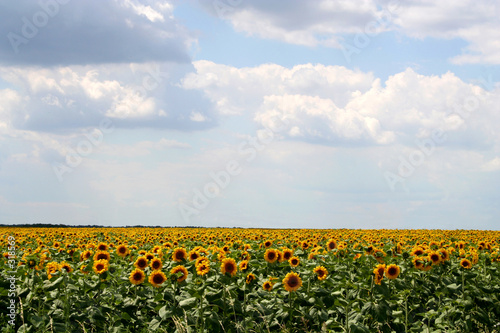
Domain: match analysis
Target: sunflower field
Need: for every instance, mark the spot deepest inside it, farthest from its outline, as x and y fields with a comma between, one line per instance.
x=248, y=280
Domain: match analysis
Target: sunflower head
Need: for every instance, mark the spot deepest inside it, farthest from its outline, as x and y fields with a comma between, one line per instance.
x=102, y=246
x=193, y=255
x=101, y=266
x=102, y=255
x=141, y=263
x=65, y=267
x=250, y=278
x=292, y=281
x=243, y=265
x=331, y=245
x=179, y=254
x=465, y=263
x=122, y=251
x=321, y=272
x=137, y=276
x=294, y=261
x=180, y=272
x=203, y=268
x=228, y=265
x=268, y=286
x=287, y=254
x=155, y=264
x=270, y=255
x=392, y=271
x=157, y=278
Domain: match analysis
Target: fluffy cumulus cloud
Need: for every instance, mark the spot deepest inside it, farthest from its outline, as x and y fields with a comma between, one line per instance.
x=131, y=95
x=338, y=106
x=328, y=22
x=57, y=32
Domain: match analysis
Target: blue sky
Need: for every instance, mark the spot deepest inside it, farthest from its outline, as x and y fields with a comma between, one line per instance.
x=285, y=114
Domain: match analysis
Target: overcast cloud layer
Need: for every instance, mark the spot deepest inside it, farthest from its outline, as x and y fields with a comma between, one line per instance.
x=113, y=113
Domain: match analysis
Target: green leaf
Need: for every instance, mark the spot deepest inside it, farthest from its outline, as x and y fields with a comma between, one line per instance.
x=187, y=303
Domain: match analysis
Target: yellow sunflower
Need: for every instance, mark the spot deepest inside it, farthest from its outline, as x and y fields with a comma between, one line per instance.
x=102, y=246
x=122, y=250
x=331, y=245
x=270, y=255
x=465, y=263
x=157, y=278
x=203, y=268
x=155, y=264
x=179, y=254
x=287, y=254
x=141, y=263
x=180, y=269
x=250, y=278
x=321, y=272
x=268, y=286
x=392, y=271
x=137, y=276
x=67, y=267
x=292, y=281
x=435, y=257
x=101, y=266
x=228, y=266
x=243, y=265
x=102, y=255
x=294, y=261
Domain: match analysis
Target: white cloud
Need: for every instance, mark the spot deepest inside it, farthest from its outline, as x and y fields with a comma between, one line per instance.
x=59, y=98
x=335, y=105
x=327, y=23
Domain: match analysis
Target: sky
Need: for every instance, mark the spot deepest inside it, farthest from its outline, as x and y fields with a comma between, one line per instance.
x=239, y=113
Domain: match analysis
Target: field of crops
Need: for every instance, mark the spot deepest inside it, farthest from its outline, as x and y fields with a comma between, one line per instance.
x=249, y=280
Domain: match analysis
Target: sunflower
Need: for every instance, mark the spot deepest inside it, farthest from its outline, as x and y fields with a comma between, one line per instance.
x=287, y=254
x=392, y=271
x=268, y=286
x=52, y=267
x=435, y=257
x=321, y=272
x=179, y=254
x=150, y=256
x=64, y=265
x=465, y=263
x=250, y=278
x=142, y=252
x=101, y=266
x=245, y=255
x=102, y=246
x=180, y=269
x=201, y=260
x=331, y=245
x=270, y=256
x=243, y=265
x=292, y=281
x=122, y=251
x=268, y=244
x=102, y=255
x=228, y=266
x=141, y=263
x=445, y=255
x=157, y=278
x=203, y=268
x=193, y=255
x=418, y=262
x=379, y=273
x=155, y=264
x=417, y=251
x=294, y=261
x=137, y=276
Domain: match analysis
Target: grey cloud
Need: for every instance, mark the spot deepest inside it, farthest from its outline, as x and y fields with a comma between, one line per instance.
x=50, y=32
